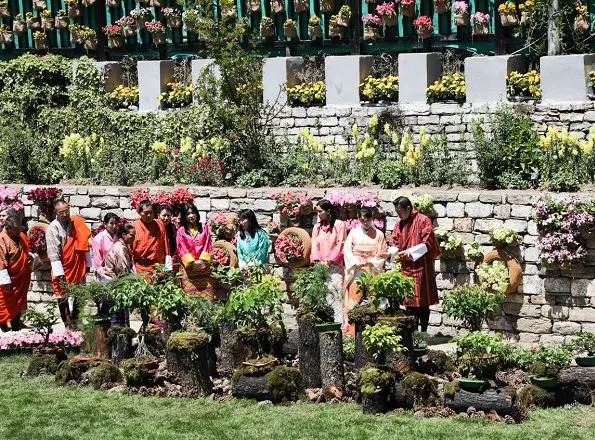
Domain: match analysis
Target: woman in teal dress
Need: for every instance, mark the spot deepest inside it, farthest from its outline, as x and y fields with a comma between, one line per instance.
x=252, y=241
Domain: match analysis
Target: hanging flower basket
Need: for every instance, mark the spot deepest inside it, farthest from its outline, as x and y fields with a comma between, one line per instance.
x=33, y=23
x=47, y=24
x=90, y=44
x=277, y=6
x=293, y=247
x=253, y=6
x=61, y=23
x=115, y=42
x=327, y=6
x=224, y=253
x=301, y=5
x=159, y=38
x=314, y=31
x=157, y=3
x=267, y=30
x=6, y=37
x=4, y=11
x=39, y=5
x=389, y=20
x=509, y=19
x=74, y=11
x=581, y=23
x=407, y=10
x=290, y=31
x=42, y=44
x=442, y=7
x=19, y=27
x=480, y=29
x=515, y=272
x=174, y=21
x=343, y=20
x=424, y=34
x=371, y=34
x=231, y=12
x=335, y=31
x=129, y=31
x=462, y=20
x=525, y=18
x=112, y=3
x=88, y=3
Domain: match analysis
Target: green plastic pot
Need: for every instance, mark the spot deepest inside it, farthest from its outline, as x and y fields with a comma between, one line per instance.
x=420, y=351
x=473, y=385
x=544, y=382
x=585, y=361
x=328, y=327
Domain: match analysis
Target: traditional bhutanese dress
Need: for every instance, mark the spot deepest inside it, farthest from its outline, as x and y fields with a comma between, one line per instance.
x=327, y=245
x=150, y=246
x=253, y=250
x=100, y=244
x=364, y=250
x=14, y=271
x=415, y=230
x=195, y=244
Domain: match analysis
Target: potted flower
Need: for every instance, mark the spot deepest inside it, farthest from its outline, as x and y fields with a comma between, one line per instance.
x=112, y=3
x=441, y=6
x=157, y=3
x=47, y=21
x=141, y=16
x=266, y=27
x=420, y=343
x=494, y=276
x=4, y=9
x=224, y=226
x=327, y=6
x=88, y=3
x=191, y=18
x=451, y=245
x=424, y=27
x=583, y=346
x=503, y=237
x=19, y=25
x=62, y=19
x=461, y=14
x=39, y=5
x=372, y=25
x=290, y=203
x=41, y=40
x=44, y=198
x=115, y=36
x=388, y=14
x=89, y=37
x=305, y=95
x=481, y=23
x=177, y=95
x=344, y=16
x=33, y=23
x=423, y=203
x=173, y=17
x=472, y=305
x=75, y=33
x=73, y=8
x=523, y=86
x=380, y=89
x=582, y=22
x=314, y=29
x=123, y=97
x=474, y=251
x=273, y=229
x=289, y=29
x=253, y=6
x=477, y=359
x=301, y=5
x=292, y=248
x=547, y=363
x=407, y=8
x=6, y=35
x=128, y=25
x=334, y=30
x=277, y=6
x=508, y=14
x=526, y=9
x=157, y=30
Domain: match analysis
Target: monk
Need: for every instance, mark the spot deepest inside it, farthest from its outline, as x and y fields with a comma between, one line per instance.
x=414, y=229
x=15, y=273
x=151, y=245
x=67, y=239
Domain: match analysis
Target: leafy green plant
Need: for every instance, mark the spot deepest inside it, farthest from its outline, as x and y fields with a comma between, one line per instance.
x=133, y=292
x=94, y=291
x=373, y=379
x=390, y=288
x=474, y=251
x=548, y=361
x=448, y=240
x=42, y=321
x=504, y=236
x=472, y=304
x=515, y=356
x=420, y=339
x=201, y=314
x=493, y=276
x=583, y=344
x=478, y=354
x=348, y=348
x=311, y=289
x=382, y=339
x=423, y=203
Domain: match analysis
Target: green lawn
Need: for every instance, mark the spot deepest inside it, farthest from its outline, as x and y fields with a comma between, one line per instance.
x=36, y=409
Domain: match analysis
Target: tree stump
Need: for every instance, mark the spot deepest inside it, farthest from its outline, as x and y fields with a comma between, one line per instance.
x=120, y=339
x=309, y=353
x=170, y=325
x=568, y=392
x=188, y=356
x=398, y=399
x=499, y=400
x=250, y=387
x=46, y=361
x=231, y=353
x=361, y=356
x=105, y=373
x=331, y=359
x=101, y=346
x=73, y=369
x=584, y=374
x=140, y=372
x=376, y=402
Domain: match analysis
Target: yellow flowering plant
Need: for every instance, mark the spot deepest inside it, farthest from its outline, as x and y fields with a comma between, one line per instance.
x=507, y=7
x=523, y=84
x=123, y=97
x=379, y=89
x=307, y=94
x=449, y=87
x=582, y=10
x=177, y=95
x=81, y=156
x=317, y=159
x=592, y=78
x=528, y=6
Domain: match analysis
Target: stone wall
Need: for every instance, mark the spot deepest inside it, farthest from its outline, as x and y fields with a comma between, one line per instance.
x=550, y=304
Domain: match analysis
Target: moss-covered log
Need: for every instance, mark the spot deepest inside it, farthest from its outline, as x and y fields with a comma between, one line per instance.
x=188, y=357
x=360, y=316
x=309, y=353
x=331, y=359
x=568, y=392
x=361, y=356
x=45, y=361
x=105, y=373
x=583, y=374
x=499, y=400
x=250, y=387
x=120, y=340
x=232, y=353
x=73, y=369
x=140, y=372
x=285, y=384
x=376, y=402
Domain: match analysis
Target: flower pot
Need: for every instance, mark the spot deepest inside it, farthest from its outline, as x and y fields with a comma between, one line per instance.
x=462, y=20
x=375, y=403
x=7, y=37
x=90, y=44
x=4, y=11
x=74, y=11
x=253, y=5
x=509, y=19
x=277, y=6
x=42, y=44
x=389, y=20
x=116, y=42
x=267, y=31
x=301, y=5
x=335, y=31
x=327, y=5
x=75, y=37
x=174, y=21
x=19, y=27
x=581, y=23
x=157, y=3
x=231, y=12
x=525, y=18
x=307, y=208
x=159, y=38
x=441, y=8
x=419, y=352
x=290, y=32
x=129, y=31
x=61, y=23
x=39, y=5
x=473, y=385
x=34, y=23
x=585, y=361
x=190, y=26
x=544, y=382
x=314, y=31
x=407, y=10
x=88, y=3
x=343, y=20
x=47, y=24
x=424, y=34
x=480, y=29
x=371, y=33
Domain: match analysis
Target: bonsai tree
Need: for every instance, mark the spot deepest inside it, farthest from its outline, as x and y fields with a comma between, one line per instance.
x=311, y=289
x=548, y=361
x=94, y=292
x=42, y=321
x=382, y=340
x=583, y=346
x=471, y=304
x=169, y=302
x=389, y=289
x=478, y=354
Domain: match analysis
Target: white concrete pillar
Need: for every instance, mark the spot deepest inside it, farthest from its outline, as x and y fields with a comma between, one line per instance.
x=416, y=72
x=197, y=67
x=153, y=77
x=485, y=77
x=278, y=74
x=565, y=78
x=343, y=74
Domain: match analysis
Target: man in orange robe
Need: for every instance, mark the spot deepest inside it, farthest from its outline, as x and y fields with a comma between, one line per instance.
x=67, y=240
x=151, y=245
x=15, y=273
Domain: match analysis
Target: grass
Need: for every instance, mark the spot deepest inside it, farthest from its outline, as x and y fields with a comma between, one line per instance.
x=36, y=409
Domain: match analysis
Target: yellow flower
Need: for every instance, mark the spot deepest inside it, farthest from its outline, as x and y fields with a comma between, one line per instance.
x=159, y=147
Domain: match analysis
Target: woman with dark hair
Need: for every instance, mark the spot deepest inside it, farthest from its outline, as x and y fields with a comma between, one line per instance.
x=328, y=238
x=252, y=241
x=166, y=214
x=104, y=240
x=365, y=251
x=194, y=248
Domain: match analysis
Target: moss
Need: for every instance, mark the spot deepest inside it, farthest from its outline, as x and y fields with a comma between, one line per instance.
x=187, y=341
x=116, y=330
x=538, y=369
x=105, y=373
x=441, y=360
x=140, y=371
x=363, y=314
x=420, y=389
x=451, y=388
x=531, y=395
x=73, y=369
x=260, y=367
x=154, y=341
x=45, y=362
x=373, y=378
x=320, y=315
x=285, y=384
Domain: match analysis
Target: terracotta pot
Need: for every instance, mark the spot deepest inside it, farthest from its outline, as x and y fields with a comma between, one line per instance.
x=61, y=23
x=159, y=38
x=112, y=3
x=174, y=21
x=7, y=37
x=343, y=20
x=480, y=29
x=19, y=27
x=581, y=23
x=290, y=31
x=335, y=31
x=267, y=31
x=74, y=11
x=314, y=31
x=515, y=272
x=327, y=5
x=408, y=11
x=509, y=20
x=34, y=23
x=307, y=243
x=115, y=42
x=42, y=44
x=462, y=20
x=389, y=20
x=39, y=5
x=90, y=44
x=277, y=6
x=424, y=34
x=4, y=11
x=253, y=5
x=140, y=23
x=301, y=5
x=47, y=24
x=371, y=33
x=230, y=249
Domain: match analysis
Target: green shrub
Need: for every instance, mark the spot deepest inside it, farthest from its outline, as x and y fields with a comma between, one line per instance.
x=285, y=384
x=382, y=339
x=374, y=378
x=392, y=174
x=472, y=305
